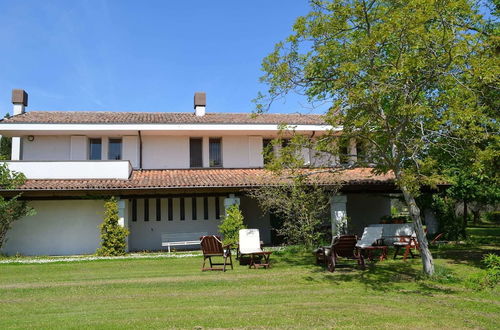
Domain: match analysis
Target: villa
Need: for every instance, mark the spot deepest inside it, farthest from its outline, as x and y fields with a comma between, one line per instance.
x=173, y=174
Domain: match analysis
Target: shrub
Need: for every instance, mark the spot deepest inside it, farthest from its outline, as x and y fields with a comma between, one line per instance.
x=449, y=223
x=231, y=225
x=113, y=236
x=493, y=217
x=488, y=279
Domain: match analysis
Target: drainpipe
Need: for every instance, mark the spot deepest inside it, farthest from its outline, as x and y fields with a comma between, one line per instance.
x=140, y=150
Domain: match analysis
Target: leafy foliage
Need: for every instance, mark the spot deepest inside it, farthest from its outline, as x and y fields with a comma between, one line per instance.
x=113, y=236
x=11, y=209
x=302, y=205
x=231, y=225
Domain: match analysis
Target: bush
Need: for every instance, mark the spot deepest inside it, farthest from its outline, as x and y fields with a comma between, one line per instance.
x=449, y=223
x=488, y=279
x=231, y=225
x=113, y=236
x=493, y=217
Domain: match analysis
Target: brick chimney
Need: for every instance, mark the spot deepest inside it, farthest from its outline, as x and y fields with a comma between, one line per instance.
x=200, y=102
x=19, y=101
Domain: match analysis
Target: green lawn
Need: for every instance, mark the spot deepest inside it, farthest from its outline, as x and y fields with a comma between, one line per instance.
x=163, y=293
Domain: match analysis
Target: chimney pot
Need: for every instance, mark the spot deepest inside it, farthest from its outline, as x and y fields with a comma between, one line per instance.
x=200, y=102
x=19, y=96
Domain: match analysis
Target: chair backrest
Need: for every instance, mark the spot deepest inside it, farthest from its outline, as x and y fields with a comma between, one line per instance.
x=344, y=245
x=211, y=245
x=370, y=236
x=249, y=241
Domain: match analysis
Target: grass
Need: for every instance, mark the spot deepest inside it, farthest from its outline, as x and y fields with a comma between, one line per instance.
x=173, y=293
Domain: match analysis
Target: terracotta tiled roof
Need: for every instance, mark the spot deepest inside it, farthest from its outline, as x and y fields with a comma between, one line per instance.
x=205, y=178
x=96, y=117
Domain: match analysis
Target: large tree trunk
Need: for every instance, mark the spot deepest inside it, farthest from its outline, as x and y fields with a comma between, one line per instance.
x=425, y=253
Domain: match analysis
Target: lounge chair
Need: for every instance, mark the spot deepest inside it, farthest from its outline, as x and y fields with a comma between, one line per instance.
x=371, y=236
x=343, y=246
x=250, y=245
x=371, y=241
x=212, y=247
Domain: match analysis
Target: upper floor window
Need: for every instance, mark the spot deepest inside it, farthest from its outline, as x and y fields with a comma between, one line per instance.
x=95, y=149
x=115, y=149
x=195, y=152
x=215, y=152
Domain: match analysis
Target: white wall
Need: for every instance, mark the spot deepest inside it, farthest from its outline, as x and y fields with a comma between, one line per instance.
x=113, y=169
x=130, y=149
x=165, y=152
x=158, y=151
x=235, y=151
x=365, y=209
x=58, y=228
x=255, y=157
x=146, y=235
x=47, y=148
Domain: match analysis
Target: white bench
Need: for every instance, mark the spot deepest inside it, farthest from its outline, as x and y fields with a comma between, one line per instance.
x=177, y=239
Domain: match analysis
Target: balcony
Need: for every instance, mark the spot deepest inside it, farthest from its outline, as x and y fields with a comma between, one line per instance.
x=73, y=169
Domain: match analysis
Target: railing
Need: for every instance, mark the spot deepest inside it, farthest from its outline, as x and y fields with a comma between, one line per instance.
x=73, y=169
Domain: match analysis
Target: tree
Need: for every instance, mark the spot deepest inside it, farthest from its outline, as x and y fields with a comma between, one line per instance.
x=231, y=225
x=11, y=209
x=302, y=205
x=113, y=235
x=401, y=76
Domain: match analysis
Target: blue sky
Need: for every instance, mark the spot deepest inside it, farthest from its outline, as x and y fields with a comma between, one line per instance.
x=149, y=55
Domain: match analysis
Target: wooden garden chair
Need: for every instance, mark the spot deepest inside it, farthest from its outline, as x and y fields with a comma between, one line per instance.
x=212, y=247
x=342, y=247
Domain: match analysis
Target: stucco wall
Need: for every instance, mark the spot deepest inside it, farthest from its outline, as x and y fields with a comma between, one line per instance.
x=58, y=228
x=47, y=148
x=165, y=152
x=365, y=209
x=146, y=235
x=158, y=151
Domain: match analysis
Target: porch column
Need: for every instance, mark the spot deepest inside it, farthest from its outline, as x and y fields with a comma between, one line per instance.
x=338, y=207
x=123, y=217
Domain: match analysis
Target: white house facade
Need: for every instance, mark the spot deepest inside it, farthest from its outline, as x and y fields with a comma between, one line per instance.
x=173, y=173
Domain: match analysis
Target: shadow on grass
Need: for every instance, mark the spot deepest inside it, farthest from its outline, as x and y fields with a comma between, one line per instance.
x=388, y=277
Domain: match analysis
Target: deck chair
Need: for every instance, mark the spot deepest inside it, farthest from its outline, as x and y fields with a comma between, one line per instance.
x=371, y=235
x=250, y=245
x=212, y=247
x=249, y=241
x=342, y=247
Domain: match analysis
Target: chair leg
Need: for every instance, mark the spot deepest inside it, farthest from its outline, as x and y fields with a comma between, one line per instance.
x=361, y=261
x=204, y=261
x=210, y=260
x=396, y=252
x=224, y=264
x=330, y=263
x=407, y=250
x=231, y=261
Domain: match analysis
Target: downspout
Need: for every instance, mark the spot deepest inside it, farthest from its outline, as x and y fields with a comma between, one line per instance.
x=140, y=150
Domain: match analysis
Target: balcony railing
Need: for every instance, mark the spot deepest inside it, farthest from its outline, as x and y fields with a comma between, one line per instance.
x=73, y=169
